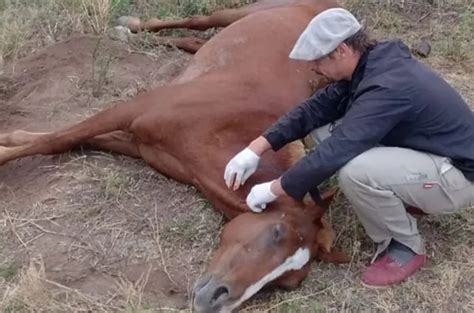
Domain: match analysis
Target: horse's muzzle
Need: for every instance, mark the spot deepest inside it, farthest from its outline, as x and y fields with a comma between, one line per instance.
x=210, y=295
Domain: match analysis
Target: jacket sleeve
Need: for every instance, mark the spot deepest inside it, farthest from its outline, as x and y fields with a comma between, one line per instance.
x=368, y=121
x=320, y=109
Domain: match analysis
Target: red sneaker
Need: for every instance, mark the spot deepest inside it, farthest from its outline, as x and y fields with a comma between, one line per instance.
x=386, y=272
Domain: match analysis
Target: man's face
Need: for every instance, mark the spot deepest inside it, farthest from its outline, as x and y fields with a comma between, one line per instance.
x=335, y=66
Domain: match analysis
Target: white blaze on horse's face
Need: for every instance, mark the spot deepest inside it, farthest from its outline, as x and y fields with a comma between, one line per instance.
x=293, y=263
x=255, y=250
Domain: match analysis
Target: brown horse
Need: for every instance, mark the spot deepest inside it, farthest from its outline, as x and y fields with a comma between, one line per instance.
x=238, y=84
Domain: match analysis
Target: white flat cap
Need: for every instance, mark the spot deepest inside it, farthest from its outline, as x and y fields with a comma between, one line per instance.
x=324, y=33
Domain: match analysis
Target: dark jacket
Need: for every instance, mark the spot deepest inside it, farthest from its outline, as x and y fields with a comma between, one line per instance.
x=392, y=100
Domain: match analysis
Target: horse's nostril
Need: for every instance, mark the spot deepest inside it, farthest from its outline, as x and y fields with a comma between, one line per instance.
x=210, y=296
x=202, y=282
x=220, y=294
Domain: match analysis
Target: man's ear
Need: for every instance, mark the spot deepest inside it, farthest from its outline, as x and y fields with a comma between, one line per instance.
x=342, y=49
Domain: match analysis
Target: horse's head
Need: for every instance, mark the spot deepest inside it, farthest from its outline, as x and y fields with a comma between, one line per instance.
x=272, y=248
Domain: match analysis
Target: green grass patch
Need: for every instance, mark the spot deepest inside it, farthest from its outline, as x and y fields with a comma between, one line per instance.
x=8, y=271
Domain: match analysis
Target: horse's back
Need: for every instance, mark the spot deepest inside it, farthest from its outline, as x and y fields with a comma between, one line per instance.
x=256, y=45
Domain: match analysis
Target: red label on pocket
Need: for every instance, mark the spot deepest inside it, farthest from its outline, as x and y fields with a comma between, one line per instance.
x=427, y=185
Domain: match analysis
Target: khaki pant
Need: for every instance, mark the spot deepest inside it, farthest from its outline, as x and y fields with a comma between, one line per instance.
x=382, y=181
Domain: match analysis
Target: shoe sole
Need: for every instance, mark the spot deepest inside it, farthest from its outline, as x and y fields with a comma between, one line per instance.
x=377, y=287
x=387, y=286
x=395, y=284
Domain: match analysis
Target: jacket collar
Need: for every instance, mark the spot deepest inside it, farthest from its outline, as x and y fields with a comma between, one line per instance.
x=359, y=71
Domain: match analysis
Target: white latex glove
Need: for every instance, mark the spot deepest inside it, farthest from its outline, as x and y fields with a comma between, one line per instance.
x=259, y=196
x=241, y=166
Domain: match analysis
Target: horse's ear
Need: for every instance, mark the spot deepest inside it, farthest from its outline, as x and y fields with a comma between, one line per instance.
x=327, y=196
x=325, y=237
x=335, y=256
x=324, y=242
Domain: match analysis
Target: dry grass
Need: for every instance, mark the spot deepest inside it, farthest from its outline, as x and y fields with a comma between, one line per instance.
x=26, y=25
x=105, y=228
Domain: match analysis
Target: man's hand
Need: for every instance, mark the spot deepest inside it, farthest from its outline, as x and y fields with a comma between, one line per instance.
x=264, y=193
x=245, y=163
x=240, y=168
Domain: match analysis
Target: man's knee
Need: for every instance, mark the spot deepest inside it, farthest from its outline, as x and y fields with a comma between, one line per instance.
x=378, y=167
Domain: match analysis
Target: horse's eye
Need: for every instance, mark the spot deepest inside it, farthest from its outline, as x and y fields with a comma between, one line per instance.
x=279, y=232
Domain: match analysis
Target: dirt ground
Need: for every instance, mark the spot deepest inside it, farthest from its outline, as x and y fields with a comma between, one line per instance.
x=97, y=232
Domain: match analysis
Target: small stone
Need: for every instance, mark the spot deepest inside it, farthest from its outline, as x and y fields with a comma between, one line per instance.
x=422, y=48
x=49, y=40
x=123, y=21
x=119, y=33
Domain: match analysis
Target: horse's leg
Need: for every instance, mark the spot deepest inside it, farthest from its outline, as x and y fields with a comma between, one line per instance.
x=18, y=138
x=188, y=44
x=23, y=144
x=117, y=141
x=125, y=143
x=220, y=18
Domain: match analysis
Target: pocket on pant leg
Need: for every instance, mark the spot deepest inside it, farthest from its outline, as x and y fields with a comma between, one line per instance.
x=430, y=196
x=456, y=186
x=452, y=178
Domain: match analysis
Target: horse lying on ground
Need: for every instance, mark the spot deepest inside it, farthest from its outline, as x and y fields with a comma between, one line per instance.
x=238, y=83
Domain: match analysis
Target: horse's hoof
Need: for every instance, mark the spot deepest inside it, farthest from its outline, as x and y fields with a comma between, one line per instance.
x=4, y=157
x=132, y=23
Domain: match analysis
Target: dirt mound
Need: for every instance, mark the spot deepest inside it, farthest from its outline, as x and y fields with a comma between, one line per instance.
x=63, y=81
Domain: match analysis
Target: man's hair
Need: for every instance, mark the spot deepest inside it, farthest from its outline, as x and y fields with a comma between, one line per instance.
x=360, y=41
